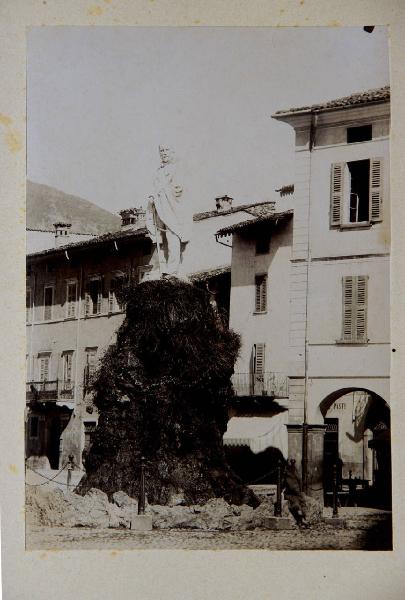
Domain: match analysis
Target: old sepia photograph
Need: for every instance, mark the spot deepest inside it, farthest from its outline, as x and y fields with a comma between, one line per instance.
x=208, y=288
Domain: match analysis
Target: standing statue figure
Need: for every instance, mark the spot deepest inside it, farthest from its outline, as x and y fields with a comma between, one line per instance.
x=166, y=219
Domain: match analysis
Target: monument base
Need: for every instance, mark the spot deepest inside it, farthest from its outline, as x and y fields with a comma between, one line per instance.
x=335, y=521
x=141, y=523
x=278, y=523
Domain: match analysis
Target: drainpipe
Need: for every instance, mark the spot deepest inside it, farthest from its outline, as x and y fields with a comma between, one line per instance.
x=312, y=132
x=76, y=390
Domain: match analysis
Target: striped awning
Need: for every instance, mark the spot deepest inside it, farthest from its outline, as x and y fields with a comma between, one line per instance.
x=258, y=433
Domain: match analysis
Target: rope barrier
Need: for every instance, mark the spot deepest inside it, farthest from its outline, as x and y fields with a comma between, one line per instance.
x=262, y=477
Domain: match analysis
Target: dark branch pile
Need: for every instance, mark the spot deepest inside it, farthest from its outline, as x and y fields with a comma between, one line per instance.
x=162, y=392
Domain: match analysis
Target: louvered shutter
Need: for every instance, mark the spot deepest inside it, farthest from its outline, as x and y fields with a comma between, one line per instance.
x=376, y=186
x=336, y=202
x=100, y=295
x=260, y=293
x=44, y=368
x=111, y=295
x=258, y=368
x=259, y=356
x=71, y=300
x=361, y=308
x=348, y=316
x=87, y=301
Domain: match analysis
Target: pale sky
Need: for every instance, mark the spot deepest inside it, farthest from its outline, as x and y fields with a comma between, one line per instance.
x=101, y=99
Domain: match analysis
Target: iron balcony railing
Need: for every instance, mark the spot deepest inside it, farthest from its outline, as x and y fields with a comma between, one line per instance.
x=263, y=384
x=49, y=391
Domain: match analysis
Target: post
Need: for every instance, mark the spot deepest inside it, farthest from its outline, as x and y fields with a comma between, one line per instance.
x=141, y=499
x=335, y=495
x=305, y=458
x=70, y=466
x=277, y=506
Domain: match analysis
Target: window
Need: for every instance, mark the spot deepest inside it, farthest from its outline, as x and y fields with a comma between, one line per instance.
x=48, y=302
x=114, y=296
x=354, y=321
x=28, y=305
x=34, y=426
x=359, y=134
x=67, y=364
x=44, y=361
x=71, y=299
x=356, y=192
x=263, y=243
x=260, y=293
x=89, y=429
x=91, y=363
x=93, y=297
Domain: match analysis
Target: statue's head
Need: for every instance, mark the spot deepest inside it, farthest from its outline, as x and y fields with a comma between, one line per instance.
x=166, y=154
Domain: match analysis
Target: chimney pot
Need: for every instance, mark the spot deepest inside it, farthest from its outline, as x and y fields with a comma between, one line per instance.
x=223, y=203
x=62, y=233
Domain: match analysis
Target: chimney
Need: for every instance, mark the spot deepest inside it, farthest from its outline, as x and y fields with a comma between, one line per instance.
x=223, y=203
x=62, y=233
x=132, y=218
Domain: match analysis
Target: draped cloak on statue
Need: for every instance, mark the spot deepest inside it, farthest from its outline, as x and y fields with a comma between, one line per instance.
x=168, y=204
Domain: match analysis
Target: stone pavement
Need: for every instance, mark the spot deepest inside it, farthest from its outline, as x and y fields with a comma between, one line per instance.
x=362, y=534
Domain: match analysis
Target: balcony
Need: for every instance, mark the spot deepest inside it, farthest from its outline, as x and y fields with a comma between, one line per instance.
x=270, y=384
x=49, y=391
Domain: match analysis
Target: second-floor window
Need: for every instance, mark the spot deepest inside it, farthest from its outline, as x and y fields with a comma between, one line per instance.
x=71, y=299
x=44, y=364
x=354, y=320
x=91, y=365
x=67, y=365
x=48, y=302
x=260, y=293
x=93, y=298
x=115, y=303
x=356, y=192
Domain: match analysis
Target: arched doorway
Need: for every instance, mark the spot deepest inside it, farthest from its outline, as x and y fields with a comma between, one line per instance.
x=357, y=440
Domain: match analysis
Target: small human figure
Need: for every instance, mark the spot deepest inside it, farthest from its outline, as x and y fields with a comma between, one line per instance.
x=293, y=493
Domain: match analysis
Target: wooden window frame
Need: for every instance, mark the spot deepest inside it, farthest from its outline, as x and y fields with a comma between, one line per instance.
x=50, y=286
x=69, y=303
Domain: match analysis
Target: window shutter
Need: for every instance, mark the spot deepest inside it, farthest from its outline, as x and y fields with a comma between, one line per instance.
x=111, y=295
x=44, y=368
x=361, y=308
x=71, y=300
x=259, y=357
x=100, y=295
x=87, y=302
x=376, y=189
x=336, y=202
x=260, y=293
x=348, y=316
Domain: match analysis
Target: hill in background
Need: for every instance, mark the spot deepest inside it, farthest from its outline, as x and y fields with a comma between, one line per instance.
x=47, y=205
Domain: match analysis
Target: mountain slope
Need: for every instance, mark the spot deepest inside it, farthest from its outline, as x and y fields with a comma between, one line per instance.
x=47, y=205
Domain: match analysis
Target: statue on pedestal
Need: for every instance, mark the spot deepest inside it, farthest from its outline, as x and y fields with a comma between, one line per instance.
x=166, y=217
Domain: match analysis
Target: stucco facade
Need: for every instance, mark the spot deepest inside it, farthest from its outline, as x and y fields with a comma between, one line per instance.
x=327, y=320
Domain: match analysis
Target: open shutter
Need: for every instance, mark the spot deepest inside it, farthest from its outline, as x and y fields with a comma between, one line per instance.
x=376, y=189
x=259, y=356
x=348, y=316
x=44, y=368
x=336, y=200
x=100, y=294
x=258, y=368
x=260, y=293
x=87, y=301
x=361, y=308
x=111, y=295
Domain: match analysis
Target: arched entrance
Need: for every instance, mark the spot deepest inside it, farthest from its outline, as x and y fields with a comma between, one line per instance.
x=357, y=440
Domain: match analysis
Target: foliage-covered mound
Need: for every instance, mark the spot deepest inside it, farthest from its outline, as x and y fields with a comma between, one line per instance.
x=163, y=391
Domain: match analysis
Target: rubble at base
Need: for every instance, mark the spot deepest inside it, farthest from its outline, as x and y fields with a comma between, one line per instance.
x=56, y=508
